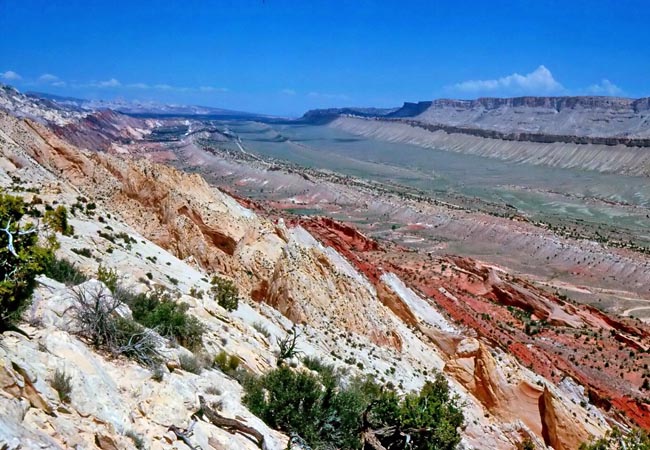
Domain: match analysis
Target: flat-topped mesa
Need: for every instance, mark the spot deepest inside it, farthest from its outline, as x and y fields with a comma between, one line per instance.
x=556, y=103
x=568, y=119
x=580, y=116
x=410, y=109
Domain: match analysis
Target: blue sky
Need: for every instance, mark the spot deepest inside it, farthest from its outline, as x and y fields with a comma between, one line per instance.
x=286, y=56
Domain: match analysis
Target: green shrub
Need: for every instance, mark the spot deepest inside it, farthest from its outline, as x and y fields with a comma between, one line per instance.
x=18, y=265
x=57, y=219
x=108, y=236
x=288, y=401
x=62, y=385
x=196, y=292
x=527, y=444
x=330, y=414
x=64, y=271
x=225, y=293
x=227, y=363
x=85, y=252
x=615, y=439
x=108, y=276
x=161, y=312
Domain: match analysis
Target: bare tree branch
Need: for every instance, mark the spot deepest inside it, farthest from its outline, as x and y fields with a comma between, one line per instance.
x=184, y=435
x=231, y=425
x=10, y=236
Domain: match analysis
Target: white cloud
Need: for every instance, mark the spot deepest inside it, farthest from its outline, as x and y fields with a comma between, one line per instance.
x=288, y=92
x=48, y=78
x=10, y=75
x=605, y=87
x=164, y=87
x=539, y=81
x=109, y=83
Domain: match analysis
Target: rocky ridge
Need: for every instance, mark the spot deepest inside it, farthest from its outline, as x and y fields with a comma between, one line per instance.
x=612, y=156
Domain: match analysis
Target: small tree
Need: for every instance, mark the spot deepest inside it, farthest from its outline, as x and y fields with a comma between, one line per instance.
x=225, y=293
x=427, y=420
x=57, y=219
x=21, y=259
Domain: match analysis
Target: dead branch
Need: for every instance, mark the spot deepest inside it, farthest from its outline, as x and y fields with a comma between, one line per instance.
x=231, y=425
x=10, y=236
x=371, y=440
x=184, y=435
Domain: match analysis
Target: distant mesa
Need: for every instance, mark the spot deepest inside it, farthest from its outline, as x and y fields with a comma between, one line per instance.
x=587, y=119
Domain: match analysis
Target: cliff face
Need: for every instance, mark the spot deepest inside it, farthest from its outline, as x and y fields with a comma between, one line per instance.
x=412, y=109
x=553, y=116
x=556, y=103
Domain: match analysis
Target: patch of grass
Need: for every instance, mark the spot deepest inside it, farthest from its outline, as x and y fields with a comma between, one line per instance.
x=61, y=383
x=212, y=390
x=64, y=272
x=85, y=252
x=158, y=373
x=227, y=363
x=259, y=326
